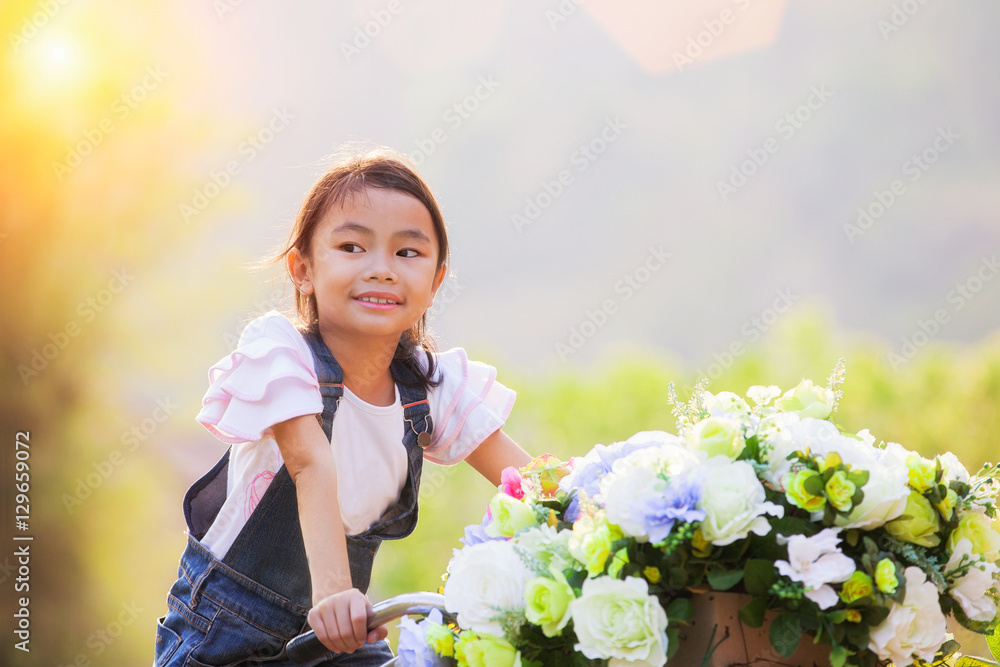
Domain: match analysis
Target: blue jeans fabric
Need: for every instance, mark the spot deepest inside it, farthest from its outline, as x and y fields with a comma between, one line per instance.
x=217, y=617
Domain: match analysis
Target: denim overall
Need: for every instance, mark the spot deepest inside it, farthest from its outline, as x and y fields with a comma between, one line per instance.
x=243, y=609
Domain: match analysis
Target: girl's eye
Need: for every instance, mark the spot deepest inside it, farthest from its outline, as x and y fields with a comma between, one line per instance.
x=408, y=252
x=351, y=247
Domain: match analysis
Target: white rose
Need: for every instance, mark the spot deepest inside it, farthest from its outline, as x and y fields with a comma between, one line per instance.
x=953, y=468
x=807, y=400
x=734, y=502
x=619, y=621
x=725, y=401
x=887, y=489
x=717, y=435
x=625, y=496
x=784, y=433
x=915, y=628
x=971, y=590
x=483, y=580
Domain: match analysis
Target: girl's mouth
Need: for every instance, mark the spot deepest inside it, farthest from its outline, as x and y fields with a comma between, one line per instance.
x=377, y=303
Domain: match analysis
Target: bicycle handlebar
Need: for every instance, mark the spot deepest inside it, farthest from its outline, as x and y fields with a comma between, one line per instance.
x=306, y=648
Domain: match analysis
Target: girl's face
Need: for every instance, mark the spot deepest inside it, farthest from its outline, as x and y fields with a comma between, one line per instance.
x=372, y=266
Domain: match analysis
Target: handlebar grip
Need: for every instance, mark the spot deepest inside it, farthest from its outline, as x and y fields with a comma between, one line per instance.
x=305, y=648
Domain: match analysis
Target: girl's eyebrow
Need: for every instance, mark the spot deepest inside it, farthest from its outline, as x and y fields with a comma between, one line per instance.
x=411, y=232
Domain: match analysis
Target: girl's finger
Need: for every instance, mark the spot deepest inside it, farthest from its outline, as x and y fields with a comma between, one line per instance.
x=359, y=619
x=319, y=626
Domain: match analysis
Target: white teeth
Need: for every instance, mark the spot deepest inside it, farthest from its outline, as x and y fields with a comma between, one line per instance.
x=370, y=299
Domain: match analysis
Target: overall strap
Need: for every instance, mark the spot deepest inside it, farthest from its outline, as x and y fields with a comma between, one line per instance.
x=270, y=548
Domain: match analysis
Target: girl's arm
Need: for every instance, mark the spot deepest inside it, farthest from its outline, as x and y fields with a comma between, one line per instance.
x=339, y=616
x=494, y=454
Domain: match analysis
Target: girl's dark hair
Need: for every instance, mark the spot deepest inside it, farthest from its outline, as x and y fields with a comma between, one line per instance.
x=351, y=175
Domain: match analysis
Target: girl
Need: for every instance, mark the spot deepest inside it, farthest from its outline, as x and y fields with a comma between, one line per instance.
x=283, y=530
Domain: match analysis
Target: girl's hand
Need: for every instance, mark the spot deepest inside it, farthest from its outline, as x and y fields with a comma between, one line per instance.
x=340, y=621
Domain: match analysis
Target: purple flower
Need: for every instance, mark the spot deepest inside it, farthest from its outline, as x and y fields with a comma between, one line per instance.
x=676, y=504
x=476, y=534
x=412, y=645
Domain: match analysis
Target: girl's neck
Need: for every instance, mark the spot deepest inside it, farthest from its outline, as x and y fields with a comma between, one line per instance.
x=365, y=364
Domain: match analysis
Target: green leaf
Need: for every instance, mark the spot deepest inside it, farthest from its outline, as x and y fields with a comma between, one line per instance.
x=969, y=661
x=723, y=580
x=680, y=610
x=673, y=641
x=994, y=643
x=619, y=561
x=785, y=634
x=838, y=656
x=753, y=613
x=813, y=486
x=758, y=576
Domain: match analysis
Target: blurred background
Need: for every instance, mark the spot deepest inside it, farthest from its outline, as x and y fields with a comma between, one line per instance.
x=637, y=192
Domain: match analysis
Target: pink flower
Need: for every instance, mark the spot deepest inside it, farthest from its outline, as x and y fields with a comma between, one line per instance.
x=510, y=483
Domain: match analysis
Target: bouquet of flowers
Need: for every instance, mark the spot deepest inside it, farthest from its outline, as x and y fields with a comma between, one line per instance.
x=863, y=547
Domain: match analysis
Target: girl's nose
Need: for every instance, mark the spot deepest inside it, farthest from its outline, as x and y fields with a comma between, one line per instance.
x=380, y=268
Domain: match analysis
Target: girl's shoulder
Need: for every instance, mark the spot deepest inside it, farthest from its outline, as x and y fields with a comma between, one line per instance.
x=273, y=326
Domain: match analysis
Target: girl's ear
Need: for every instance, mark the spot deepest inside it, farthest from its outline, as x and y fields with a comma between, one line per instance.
x=438, y=279
x=300, y=271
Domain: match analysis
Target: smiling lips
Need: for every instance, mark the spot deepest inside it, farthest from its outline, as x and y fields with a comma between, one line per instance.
x=378, y=300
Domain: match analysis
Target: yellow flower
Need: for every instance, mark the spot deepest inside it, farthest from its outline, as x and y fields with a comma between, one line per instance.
x=947, y=505
x=485, y=650
x=440, y=639
x=798, y=496
x=922, y=473
x=702, y=547
x=858, y=587
x=591, y=542
x=978, y=529
x=885, y=576
x=918, y=524
x=547, y=603
x=652, y=574
x=852, y=615
x=510, y=515
x=840, y=490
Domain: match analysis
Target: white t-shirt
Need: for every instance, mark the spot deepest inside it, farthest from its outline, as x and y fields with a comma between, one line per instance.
x=271, y=377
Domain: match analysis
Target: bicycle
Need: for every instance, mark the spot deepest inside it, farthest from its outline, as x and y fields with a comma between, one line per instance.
x=306, y=648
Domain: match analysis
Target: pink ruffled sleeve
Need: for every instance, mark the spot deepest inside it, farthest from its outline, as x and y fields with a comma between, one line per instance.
x=467, y=406
x=268, y=379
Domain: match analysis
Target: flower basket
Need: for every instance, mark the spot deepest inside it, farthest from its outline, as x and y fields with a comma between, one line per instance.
x=716, y=631
x=762, y=533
